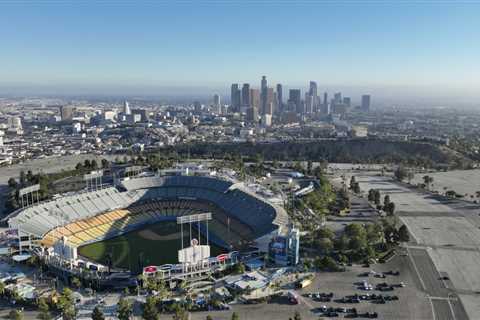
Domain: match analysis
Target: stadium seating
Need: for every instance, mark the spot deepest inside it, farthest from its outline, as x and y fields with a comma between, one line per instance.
x=238, y=215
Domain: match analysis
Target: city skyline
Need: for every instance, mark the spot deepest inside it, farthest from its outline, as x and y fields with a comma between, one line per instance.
x=143, y=48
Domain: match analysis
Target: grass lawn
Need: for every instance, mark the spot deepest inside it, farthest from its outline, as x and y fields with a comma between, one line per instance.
x=156, y=244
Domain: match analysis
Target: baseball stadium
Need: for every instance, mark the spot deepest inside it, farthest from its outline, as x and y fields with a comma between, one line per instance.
x=133, y=223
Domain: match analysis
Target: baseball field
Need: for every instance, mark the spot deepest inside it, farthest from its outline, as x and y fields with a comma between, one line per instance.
x=155, y=244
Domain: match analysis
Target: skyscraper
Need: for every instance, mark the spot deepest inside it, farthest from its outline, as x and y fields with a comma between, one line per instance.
x=280, y=97
x=235, y=97
x=252, y=111
x=313, y=101
x=263, y=94
x=366, y=102
x=126, y=108
x=270, y=109
x=325, y=107
x=295, y=99
x=313, y=89
x=216, y=100
x=252, y=115
x=309, y=103
x=246, y=95
x=337, y=98
x=66, y=112
x=197, y=106
x=255, y=98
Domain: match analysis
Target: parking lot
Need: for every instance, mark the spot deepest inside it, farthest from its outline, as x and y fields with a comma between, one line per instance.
x=445, y=238
x=463, y=182
x=412, y=303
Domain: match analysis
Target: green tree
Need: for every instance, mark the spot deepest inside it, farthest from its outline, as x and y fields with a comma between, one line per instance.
x=44, y=310
x=309, y=167
x=390, y=234
x=297, y=316
x=12, y=183
x=326, y=264
x=76, y=282
x=124, y=309
x=386, y=200
x=403, y=234
x=390, y=208
x=400, y=173
x=79, y=166
x=2, y=288
x=377, y=197
x=69, y=313
x=355, y=230
x=325, y=245
x=105, y=164
x=428, y=181
x=180, y=314
x=97, y=314
x=239, y=268
x=15, y=295
x=94, y=164
x=352, y=182
x=209, y=317
x=150, y=311
x=325, y=232
x=374, y=233
x=66, y=304
x=235, y=316
x=22, y=178
x=341, y=244
x=371, y=195
x=357, y=243
x=451, y=193
x=15, y=315
x=356, y=187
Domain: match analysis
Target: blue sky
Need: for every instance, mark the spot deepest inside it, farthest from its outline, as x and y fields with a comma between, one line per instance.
x=213, y=43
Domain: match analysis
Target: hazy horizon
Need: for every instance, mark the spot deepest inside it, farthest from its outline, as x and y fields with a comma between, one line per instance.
x=426, y=50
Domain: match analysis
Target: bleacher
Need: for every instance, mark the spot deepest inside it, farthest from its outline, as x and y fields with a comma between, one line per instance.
x=40, y=219
x=256, y=213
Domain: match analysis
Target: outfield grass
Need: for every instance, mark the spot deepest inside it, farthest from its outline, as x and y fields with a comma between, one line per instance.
x=155, y=244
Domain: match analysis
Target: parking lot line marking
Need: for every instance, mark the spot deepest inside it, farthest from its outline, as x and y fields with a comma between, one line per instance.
x=416, y=270
x=451, y=308
x=433, y=309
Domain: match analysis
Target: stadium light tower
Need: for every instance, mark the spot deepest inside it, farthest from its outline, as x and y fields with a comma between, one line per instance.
x=60, y=219
x=192, y=219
